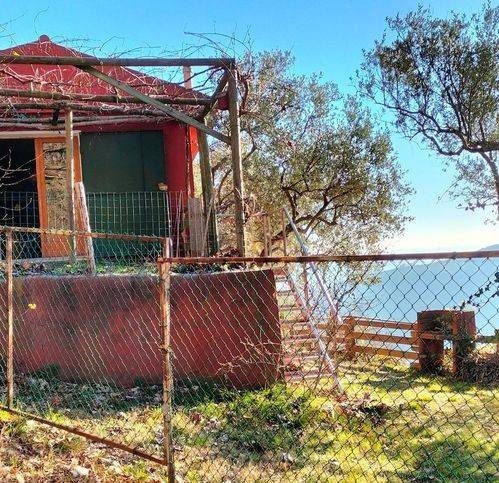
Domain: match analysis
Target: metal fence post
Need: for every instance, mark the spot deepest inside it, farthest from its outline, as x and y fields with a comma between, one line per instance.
x=164, y=302
x=10, y=318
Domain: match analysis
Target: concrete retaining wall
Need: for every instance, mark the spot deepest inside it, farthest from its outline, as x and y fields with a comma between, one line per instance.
x=224, y=326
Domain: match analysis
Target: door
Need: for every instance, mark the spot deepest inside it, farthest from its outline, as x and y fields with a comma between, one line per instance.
x=52, y=192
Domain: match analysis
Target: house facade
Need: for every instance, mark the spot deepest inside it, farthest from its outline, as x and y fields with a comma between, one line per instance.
x=136, y=165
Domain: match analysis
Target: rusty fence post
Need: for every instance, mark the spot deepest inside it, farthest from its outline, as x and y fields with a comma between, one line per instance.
x=165, y=321
x=9, y=268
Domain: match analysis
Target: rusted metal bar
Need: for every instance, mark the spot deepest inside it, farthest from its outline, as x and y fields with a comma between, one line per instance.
x=284, y=234
x=84, y=434
x=107, y=236
x=165, y=320
x=10, y=318
x=55, y=96
x=224, y=62
x=265, y=226
x=339, y=258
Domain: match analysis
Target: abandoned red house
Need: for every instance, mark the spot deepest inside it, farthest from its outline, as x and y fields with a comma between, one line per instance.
x=136, y=163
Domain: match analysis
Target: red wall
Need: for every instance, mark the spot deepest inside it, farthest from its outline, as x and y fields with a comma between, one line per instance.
x=224, y=326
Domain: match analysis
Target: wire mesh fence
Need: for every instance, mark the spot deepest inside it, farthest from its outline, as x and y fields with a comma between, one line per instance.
x=360, y=368
x=86, y=352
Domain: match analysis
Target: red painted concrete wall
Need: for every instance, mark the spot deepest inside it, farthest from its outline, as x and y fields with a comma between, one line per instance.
x=224, y=326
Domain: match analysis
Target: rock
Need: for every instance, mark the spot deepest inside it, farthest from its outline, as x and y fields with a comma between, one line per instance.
x=80, y=472
x=287, y=458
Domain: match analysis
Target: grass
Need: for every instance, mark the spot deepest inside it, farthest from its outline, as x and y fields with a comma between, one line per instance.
x=395, y=425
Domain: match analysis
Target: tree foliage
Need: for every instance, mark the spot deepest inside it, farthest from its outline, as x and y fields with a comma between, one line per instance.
x=440, y=78
x=315, y=153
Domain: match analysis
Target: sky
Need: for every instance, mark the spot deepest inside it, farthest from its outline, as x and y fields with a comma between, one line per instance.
x=325, y=36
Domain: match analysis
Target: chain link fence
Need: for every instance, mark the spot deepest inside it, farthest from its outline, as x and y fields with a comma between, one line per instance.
x=354, y=368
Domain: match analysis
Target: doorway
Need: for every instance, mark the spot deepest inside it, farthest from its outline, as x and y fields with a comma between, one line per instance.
x=19, y=204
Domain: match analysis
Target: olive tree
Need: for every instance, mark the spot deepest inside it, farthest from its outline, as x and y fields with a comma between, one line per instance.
x=440, y=79
x=316, y=153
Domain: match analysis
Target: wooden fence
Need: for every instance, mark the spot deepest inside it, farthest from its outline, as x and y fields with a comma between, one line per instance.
x=387, y=338
x=363, y=335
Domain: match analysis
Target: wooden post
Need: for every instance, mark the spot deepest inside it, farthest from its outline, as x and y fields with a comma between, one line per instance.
x=10, y=318
x=237, y=168
x=70, y=174
x=208, y=191
x=165, y=320
x=349, y=327
x=81, y=202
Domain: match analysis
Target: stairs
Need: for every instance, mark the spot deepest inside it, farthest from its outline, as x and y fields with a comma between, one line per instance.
x=302, y=355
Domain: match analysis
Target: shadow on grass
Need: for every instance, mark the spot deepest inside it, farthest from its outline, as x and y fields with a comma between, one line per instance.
x=454, y=459
x=398, y=379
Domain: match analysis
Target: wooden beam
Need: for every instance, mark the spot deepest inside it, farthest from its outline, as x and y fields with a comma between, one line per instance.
x=237, y=167
x=107, y=119
x=32, y=134
x=208, y=190
x=56, y=96
x=224, y=62
x=104, y=110
x=214, y=98
x=180, y=116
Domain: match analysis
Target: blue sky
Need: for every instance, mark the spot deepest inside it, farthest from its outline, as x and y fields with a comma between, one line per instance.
x=325, y=36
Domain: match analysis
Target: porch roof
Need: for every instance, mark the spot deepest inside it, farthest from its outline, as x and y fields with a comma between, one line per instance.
x=66, y=84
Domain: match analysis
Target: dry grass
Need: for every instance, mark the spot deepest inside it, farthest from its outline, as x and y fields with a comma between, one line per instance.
x=395, y=425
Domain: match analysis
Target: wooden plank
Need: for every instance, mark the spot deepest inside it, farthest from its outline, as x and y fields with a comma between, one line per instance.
x=225, y=62
x=393, y=339
x=237, y=166
x=389, y=324
x=180, y=116
x=386, y=352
